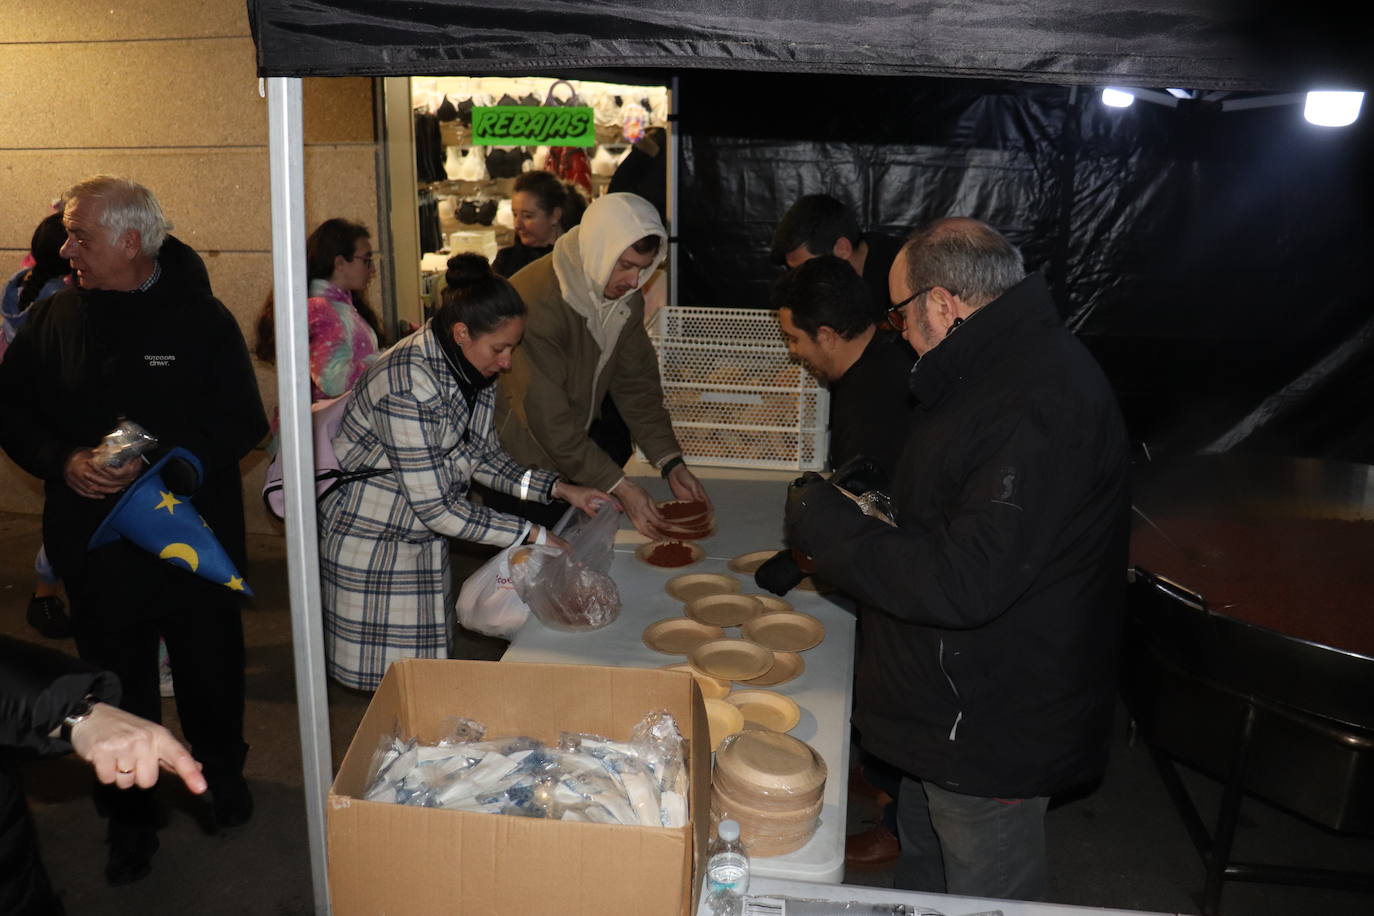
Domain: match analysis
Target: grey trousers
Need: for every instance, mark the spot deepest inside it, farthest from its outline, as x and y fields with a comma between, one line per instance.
x=968, y=845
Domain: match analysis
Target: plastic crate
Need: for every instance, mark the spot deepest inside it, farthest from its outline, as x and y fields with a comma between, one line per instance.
x=736, y=398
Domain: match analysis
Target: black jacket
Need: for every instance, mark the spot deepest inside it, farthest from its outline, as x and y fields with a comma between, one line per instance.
x=173, y=360
x=989, y=652
x=870, y=406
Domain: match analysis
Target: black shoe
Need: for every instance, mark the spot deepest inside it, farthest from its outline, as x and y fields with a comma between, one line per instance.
x=48, y=615
x=232, y=803
x=131, y=854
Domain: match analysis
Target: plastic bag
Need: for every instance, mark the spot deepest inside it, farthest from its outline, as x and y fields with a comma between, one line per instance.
x=570, y=590
x=488, y=602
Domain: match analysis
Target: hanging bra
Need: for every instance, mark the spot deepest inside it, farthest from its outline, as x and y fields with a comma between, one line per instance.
x=446, y=111
x=506, y=163
x=477, y=212
x=465, y=164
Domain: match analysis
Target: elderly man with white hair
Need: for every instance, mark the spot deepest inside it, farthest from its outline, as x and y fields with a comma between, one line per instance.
x=140, y=337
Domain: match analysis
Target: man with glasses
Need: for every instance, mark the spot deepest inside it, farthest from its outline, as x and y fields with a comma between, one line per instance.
x=993, y=609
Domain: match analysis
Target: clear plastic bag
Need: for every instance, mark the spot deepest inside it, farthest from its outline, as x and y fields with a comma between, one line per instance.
x=123, y=444
x=571, y=589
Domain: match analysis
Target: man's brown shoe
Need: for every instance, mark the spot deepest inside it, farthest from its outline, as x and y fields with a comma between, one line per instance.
x=873, y=849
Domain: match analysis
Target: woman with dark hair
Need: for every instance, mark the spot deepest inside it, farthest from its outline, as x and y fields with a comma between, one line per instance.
x=423, y=413
x=345, y=334
x=544, y=208
x=50, y=273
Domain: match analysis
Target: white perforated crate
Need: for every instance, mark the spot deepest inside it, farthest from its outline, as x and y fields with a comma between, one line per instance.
x=735, y=396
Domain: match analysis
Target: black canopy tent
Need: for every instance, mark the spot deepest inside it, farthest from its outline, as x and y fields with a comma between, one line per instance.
x=1017, y=139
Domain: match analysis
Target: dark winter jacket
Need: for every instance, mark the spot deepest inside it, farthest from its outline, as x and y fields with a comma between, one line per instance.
x=870, y=406
x=993, y=611
x=172, y=359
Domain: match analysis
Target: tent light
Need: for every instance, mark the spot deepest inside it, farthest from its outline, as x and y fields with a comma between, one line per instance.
x=1117, y=98
x=1332, y=109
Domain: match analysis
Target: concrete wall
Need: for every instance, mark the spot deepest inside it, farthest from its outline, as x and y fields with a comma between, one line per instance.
x=165, y=92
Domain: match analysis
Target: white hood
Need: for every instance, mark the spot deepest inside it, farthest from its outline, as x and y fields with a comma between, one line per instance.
x=584, y=256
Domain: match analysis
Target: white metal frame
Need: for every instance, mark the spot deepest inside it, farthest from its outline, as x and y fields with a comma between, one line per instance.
x=286, y=155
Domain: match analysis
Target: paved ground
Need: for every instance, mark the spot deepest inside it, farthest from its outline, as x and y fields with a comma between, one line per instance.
x=1121, y=846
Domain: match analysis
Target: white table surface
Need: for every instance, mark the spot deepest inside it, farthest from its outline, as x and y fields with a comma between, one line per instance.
x=748, y=518
x=944, y=904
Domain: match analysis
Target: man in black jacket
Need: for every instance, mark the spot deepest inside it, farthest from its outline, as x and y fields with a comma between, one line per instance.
x=140, y=337
x=993, y=609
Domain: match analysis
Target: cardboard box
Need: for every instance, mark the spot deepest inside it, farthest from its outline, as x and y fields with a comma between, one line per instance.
x=386, y=858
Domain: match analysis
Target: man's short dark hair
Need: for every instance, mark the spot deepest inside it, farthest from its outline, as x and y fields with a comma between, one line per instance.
x=817, y=221
x=825, y=291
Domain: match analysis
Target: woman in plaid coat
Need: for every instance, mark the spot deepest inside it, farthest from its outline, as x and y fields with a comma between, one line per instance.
x=424, y=411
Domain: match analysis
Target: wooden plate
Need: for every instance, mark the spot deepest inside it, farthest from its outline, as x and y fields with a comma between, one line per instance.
x=731, y=659
x=786, y=666
x=791, y=631
x=692, y=586
x=722, y=719
x=702, y=513
x=643, y=551
x=712, y=688
x=687, y=534
x=723, y=610
x=772, y=763
x=679, y=635
x=767, y=708
x=772, y=604
x=747, y=563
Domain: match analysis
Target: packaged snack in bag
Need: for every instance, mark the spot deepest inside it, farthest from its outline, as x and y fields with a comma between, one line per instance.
x=571, y=589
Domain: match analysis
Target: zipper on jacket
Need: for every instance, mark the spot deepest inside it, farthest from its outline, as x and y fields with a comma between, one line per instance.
x=953, y=729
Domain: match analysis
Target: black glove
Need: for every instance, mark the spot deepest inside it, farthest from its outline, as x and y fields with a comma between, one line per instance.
x=780, y=574
x=859, y=475
x=793, y=508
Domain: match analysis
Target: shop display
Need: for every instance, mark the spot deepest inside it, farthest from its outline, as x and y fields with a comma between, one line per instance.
x=580, y=778
x=678, y=635
x=668, y=554
x=791, y=631
x=724, y=610
x=731, y=659
x=691, y=586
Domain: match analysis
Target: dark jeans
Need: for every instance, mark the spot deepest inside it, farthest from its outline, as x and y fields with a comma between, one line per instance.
x=205, y=646
x=968, y=845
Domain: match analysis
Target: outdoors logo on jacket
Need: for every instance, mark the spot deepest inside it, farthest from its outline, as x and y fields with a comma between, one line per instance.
x=1006, y=487
x=159, y=359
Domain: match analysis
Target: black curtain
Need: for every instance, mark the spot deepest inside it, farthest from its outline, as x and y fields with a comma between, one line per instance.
x=1208, y=257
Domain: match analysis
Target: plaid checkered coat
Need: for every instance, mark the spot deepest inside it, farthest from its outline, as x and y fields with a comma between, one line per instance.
x=384, y=540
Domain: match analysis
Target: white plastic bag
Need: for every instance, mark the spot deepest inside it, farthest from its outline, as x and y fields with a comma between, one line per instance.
x=572, y=590
x=488, y=602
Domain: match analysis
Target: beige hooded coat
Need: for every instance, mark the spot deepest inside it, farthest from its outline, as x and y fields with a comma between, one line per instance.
x=578, y=345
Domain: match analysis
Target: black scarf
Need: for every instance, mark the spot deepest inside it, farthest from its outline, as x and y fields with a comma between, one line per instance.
x=470, y=381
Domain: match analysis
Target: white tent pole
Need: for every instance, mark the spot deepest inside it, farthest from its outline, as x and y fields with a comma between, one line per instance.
x=289, y=284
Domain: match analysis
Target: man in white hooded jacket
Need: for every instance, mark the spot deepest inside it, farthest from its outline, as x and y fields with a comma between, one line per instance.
x=584, y=338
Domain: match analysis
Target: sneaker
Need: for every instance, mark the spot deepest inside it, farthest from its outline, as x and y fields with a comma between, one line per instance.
x=48, y=615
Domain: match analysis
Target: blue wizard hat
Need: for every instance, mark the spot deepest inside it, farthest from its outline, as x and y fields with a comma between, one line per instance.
x=166, y=525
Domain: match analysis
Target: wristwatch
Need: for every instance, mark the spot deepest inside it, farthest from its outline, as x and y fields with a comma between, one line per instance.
x=80, y=713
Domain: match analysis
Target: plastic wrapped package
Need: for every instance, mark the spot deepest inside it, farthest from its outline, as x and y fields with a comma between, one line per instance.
x=585, y=777
x=571, y=589
x=126, y=442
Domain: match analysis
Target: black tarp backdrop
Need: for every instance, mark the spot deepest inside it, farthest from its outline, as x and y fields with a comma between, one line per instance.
x=1211, y=259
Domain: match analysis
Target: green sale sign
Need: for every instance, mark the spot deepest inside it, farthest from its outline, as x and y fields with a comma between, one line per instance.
x=519, y=125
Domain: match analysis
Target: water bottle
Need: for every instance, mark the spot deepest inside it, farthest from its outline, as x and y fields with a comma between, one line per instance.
x=727, y=871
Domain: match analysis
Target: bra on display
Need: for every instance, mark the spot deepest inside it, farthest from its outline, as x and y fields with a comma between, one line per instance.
x=477, y=212
x=446, y=111
x=465, y=164
x=607, y=159
x=506, y=162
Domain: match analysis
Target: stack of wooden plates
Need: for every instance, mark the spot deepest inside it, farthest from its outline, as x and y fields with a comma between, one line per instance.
x=687, y=520
x=773, y=785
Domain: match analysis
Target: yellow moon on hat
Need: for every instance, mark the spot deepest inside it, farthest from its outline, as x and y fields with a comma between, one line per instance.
x=183, y=552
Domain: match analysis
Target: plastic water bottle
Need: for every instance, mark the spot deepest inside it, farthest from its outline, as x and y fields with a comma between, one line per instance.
x=727, y=871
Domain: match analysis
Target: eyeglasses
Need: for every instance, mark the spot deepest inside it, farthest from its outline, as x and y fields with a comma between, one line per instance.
x=367, y=259
x=897, y=317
